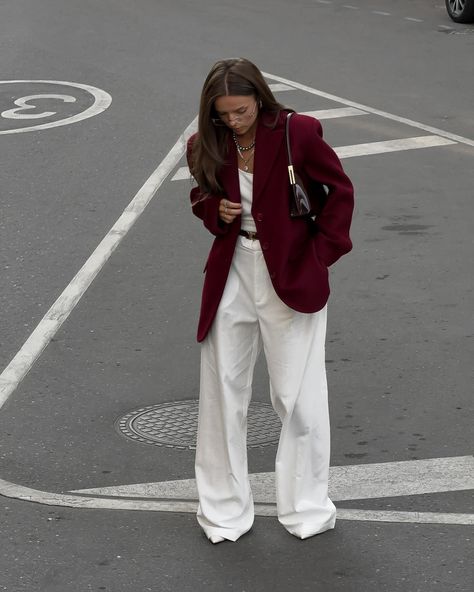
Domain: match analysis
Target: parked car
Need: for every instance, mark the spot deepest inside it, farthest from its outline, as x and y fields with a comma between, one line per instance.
x=461, y=11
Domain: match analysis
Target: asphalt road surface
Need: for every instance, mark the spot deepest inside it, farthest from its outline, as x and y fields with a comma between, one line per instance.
x=101, y=271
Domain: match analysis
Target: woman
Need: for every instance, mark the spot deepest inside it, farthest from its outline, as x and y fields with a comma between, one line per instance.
x=266, y=284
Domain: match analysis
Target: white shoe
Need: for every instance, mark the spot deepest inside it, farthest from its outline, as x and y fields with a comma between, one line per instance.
x=215, y=538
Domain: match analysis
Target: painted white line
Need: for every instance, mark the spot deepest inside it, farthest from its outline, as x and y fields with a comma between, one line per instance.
x=414, y=20
x=334, y=113
x=372, y=148
x=181, y=174
x=386, y=516
x=368, y=149
x=75, y=501
x=280, y=87
x=102, y=101
x=351, y=482
x=385, y=114
x=324, y=1
x=351, y=7
x=60, y=310
x=12, y=490
x=381, y=13
x=407, y=517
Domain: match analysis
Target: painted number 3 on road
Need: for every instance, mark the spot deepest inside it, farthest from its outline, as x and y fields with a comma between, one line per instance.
x=47, y=108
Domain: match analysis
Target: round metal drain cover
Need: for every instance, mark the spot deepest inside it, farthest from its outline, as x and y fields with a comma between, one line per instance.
x=174, y=425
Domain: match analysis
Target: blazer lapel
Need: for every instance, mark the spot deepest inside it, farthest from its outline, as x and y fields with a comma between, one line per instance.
x=268, y=143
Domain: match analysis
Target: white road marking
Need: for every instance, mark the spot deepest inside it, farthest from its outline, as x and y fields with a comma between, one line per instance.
x=380, y=12
x=385, y=114
x=351, y=482
x=61, y=309
x=334, y=113
x=372, y=148
x=102, y=101
x=12, y=490
x=368, y=149
x=406, y=517
x=280, y=87
x=351, y=7
x=181, y=174
x=22, y=105
x=387, y=516
x=414, y=20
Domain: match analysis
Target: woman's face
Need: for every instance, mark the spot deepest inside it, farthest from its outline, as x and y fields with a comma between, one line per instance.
x=239, y=113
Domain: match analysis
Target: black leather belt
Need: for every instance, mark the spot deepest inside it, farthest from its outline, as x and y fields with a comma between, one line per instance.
x=249, y=234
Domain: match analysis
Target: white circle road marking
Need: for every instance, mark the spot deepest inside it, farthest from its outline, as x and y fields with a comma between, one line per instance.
x=22, y=105
x=102, y=101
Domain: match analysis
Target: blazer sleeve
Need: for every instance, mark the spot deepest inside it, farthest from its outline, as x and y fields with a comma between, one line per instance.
x=322, y=164
x=205, y=206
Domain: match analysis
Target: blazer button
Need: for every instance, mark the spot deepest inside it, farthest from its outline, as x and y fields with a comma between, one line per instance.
x=265, y=246
x=259, y=217
x=273, y=275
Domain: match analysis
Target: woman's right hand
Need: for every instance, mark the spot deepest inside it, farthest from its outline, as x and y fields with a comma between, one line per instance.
x=229, y=210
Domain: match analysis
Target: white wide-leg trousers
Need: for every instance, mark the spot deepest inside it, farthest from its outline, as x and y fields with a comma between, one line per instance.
x=250, y=315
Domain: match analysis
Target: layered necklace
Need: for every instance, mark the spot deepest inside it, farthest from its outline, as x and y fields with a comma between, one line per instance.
x=250, y=149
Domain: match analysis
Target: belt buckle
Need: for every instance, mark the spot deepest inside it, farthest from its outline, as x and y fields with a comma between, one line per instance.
x=252, y=235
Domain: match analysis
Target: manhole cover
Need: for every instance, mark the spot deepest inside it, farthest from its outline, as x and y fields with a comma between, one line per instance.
x=174, y=425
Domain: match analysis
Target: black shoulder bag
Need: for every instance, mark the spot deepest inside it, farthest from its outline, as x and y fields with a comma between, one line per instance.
x=300, y=203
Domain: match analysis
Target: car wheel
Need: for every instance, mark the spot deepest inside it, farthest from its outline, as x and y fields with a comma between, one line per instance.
x=461, y=11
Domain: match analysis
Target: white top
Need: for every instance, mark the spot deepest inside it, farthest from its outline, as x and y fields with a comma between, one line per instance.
x=246, y=191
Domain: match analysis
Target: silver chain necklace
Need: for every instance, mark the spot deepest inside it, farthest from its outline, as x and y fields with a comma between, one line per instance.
x=246, y=160
x=250, y=149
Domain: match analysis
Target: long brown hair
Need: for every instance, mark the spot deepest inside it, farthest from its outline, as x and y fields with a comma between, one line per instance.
x=238, y=77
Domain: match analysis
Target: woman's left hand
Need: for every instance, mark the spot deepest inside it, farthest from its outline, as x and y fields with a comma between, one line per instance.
x=229, y=210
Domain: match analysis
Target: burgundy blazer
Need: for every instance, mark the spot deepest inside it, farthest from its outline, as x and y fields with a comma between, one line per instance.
x=297, y=251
